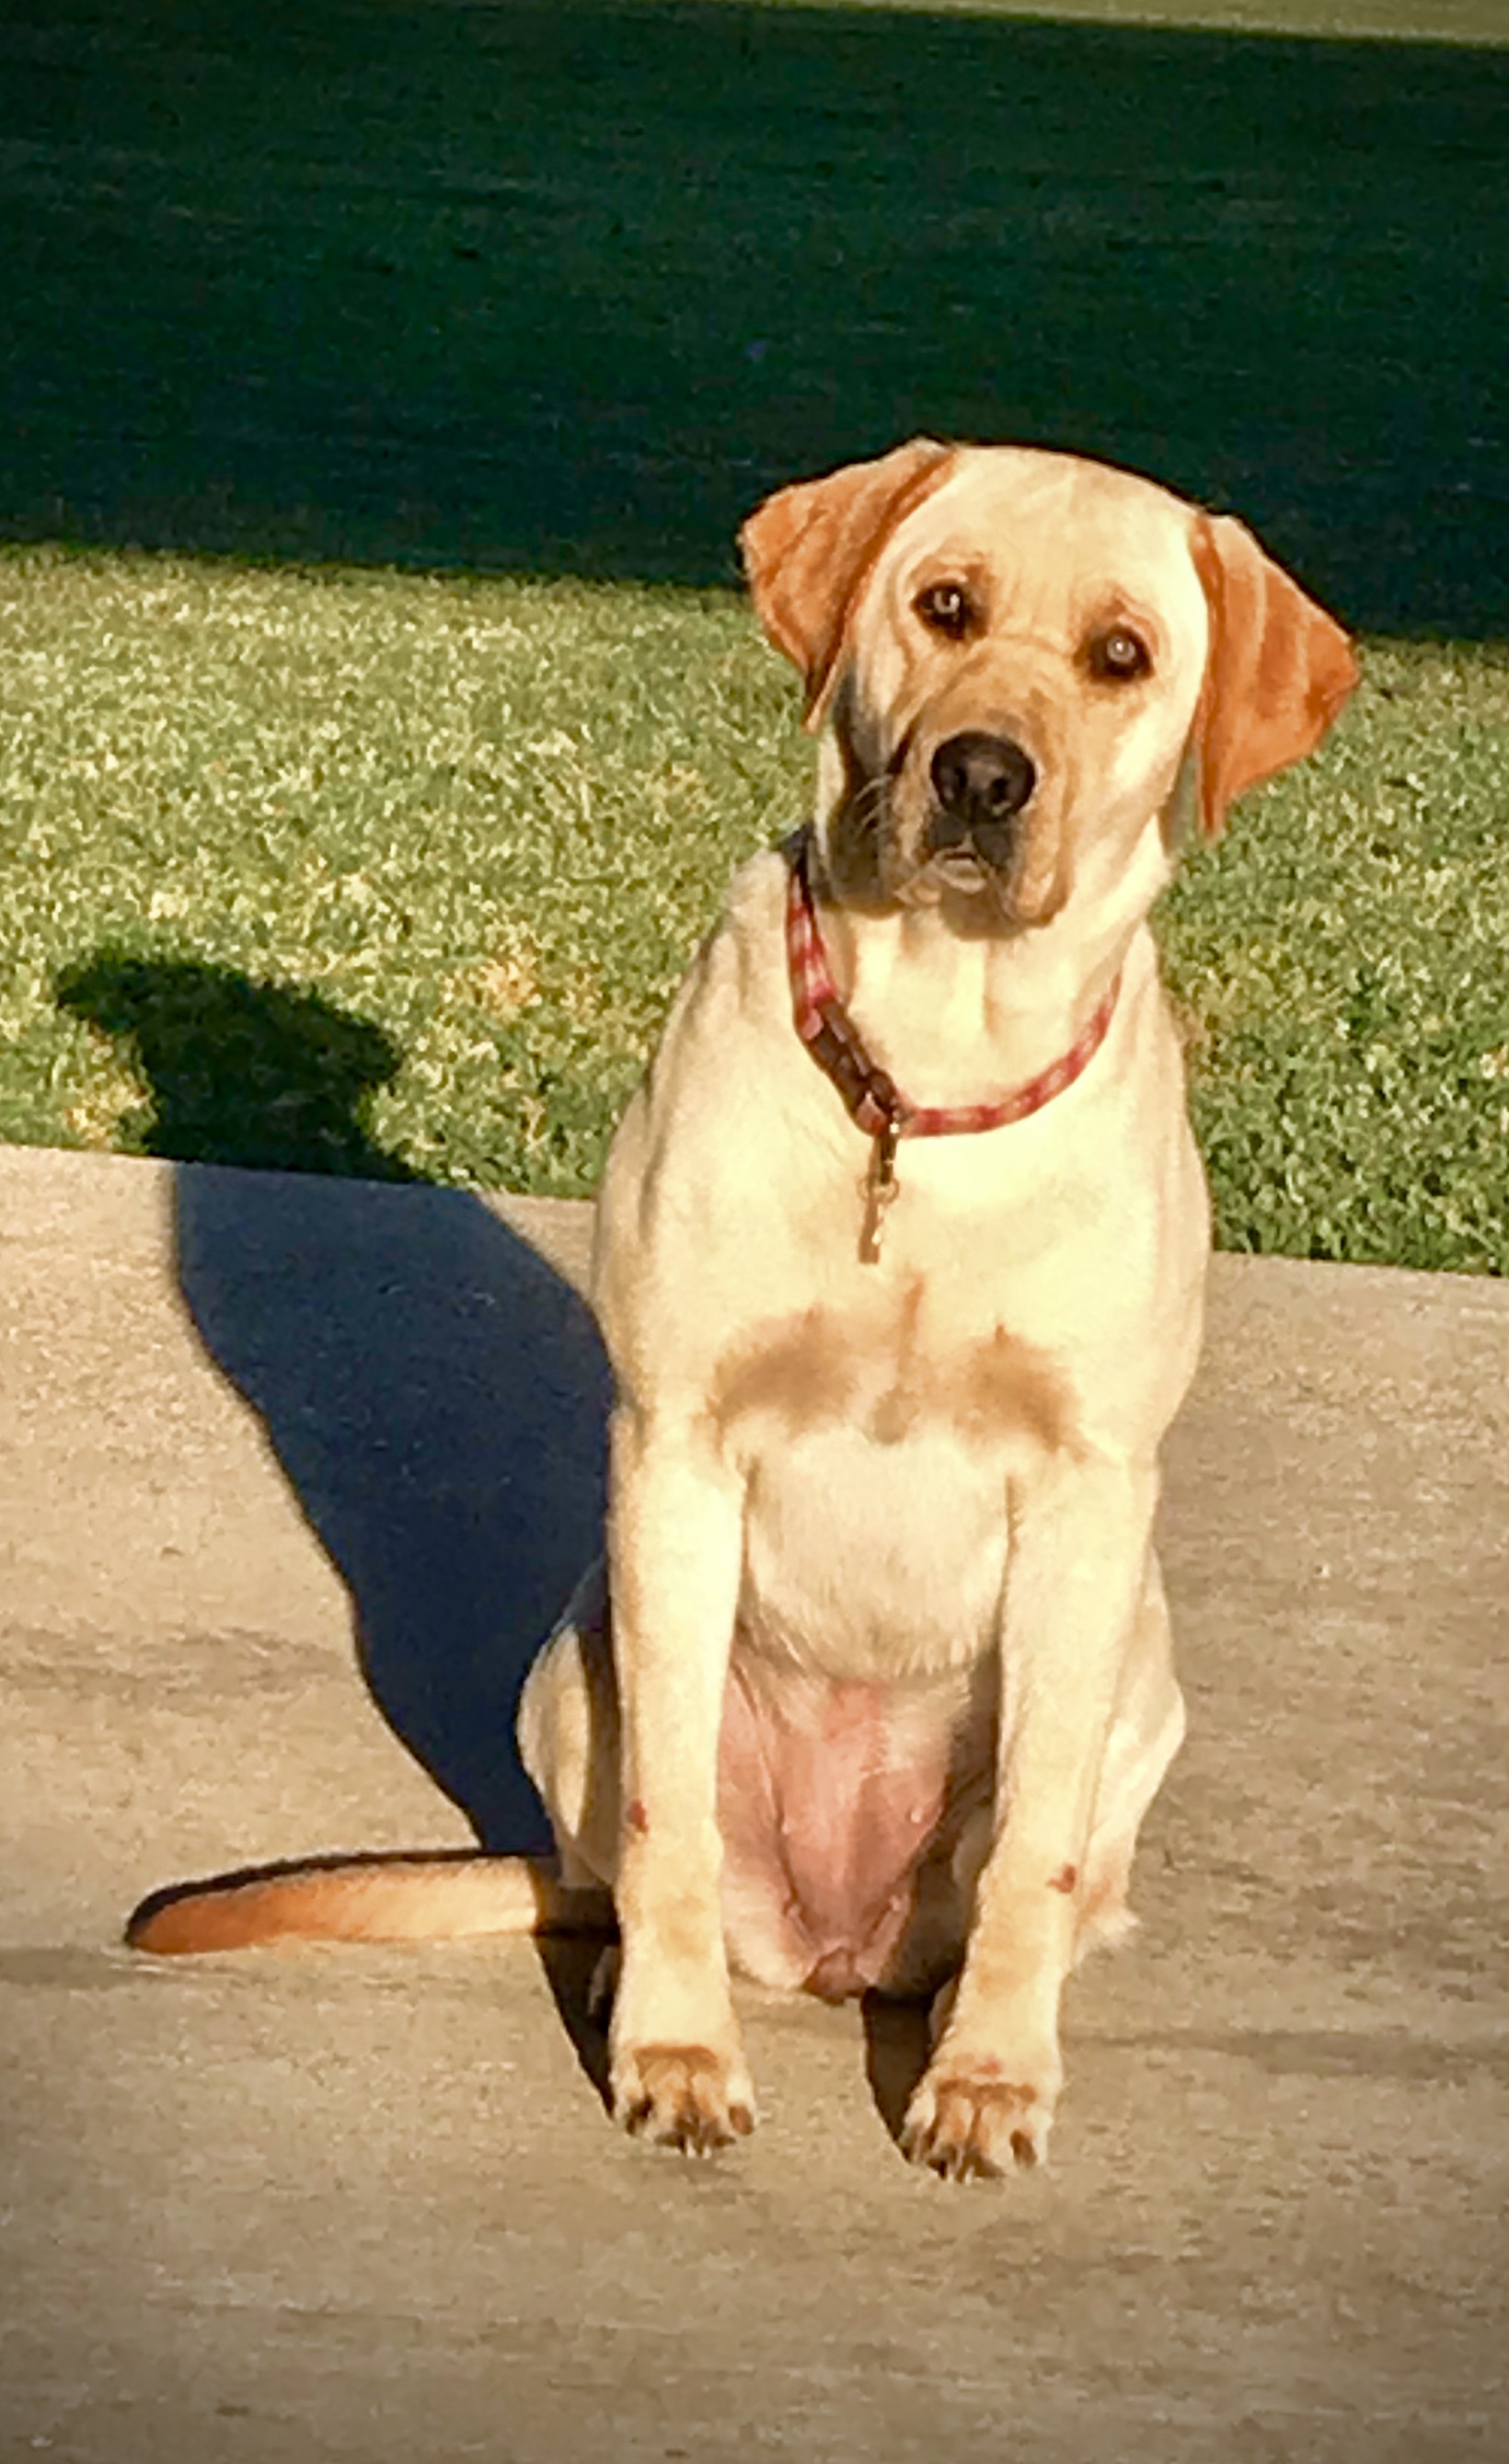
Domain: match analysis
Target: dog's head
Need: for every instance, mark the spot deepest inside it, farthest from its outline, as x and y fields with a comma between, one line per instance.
x=1021, y=661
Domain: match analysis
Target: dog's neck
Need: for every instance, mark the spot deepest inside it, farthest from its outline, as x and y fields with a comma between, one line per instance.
x=953, y=1017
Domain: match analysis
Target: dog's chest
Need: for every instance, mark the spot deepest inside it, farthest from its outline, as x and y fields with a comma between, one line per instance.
x=890, y=1359
x=876, y=1436
x=864, y=1564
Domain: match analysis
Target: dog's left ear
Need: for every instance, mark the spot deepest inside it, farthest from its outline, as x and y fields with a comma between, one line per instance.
x=1277, y=673
x=808, y=552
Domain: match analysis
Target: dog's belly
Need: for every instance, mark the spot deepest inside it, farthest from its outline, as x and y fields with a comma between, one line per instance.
x=859, y=1719
x=869, y=1564
x=832, y=1798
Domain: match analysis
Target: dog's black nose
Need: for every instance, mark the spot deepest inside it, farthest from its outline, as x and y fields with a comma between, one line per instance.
x=980, y=779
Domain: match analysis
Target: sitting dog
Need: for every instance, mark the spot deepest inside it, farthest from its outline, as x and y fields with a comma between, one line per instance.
x=899, y=1262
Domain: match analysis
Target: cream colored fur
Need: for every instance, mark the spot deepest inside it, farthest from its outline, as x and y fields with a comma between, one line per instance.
x=905, y=1538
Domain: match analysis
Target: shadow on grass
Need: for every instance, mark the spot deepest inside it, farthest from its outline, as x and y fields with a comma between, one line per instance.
x=240, y=1072
x=564, y=285
x=433, y=1391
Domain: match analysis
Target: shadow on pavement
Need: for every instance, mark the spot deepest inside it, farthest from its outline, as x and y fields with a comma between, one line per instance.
x=436, y=1397
x=898, y=2043
x=435, y=1391
x=565, y=285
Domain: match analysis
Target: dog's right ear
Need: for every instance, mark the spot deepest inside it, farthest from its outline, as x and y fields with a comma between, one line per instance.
x=808, y=552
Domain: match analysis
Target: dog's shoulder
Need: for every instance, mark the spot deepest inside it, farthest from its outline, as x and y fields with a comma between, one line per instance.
x=734, y=990
x=743, y=957
x=693, y=1148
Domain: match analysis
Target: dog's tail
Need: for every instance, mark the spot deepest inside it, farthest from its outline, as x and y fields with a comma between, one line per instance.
x=436, y=1898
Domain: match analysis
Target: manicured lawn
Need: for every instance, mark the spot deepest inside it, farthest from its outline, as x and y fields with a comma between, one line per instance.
x=460, y=835
x=383, y=381
x=487, y=818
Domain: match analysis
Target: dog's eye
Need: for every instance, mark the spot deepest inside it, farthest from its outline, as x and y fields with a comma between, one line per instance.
x=1119, y=656
x=945, y=607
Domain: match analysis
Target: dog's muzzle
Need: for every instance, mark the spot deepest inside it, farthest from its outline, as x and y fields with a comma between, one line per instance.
x=982, y=783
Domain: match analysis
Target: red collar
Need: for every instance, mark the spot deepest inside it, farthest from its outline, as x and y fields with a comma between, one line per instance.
x=870, y=1095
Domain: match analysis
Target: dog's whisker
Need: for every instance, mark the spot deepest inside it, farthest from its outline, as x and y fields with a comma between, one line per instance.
x=868, y=808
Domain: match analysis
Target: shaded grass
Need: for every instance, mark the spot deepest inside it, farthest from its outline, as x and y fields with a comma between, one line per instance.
x=561, y=286
x=236, y=1070
x=395, y=873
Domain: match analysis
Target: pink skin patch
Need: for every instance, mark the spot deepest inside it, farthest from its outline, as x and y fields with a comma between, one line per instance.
x=635, y=1816
x=825, y=1813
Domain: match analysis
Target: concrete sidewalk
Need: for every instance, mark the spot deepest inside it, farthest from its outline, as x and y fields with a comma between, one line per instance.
x=292, y=1476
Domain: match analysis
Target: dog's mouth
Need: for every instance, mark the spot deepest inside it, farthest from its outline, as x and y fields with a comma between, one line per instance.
x=970, y=855
x=964, y=869
x=965, y=874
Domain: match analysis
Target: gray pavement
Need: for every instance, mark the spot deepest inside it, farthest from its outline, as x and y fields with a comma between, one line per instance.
x=292, y=1474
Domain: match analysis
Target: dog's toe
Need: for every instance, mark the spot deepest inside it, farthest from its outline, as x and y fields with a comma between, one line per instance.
x=968, y=2128
x=683, y=2097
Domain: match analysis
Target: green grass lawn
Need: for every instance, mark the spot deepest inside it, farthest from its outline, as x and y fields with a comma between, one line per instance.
x=395, y=873
x=382, y=382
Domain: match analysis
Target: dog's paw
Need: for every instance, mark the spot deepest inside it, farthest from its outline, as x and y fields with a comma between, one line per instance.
x=975, y=2124
x=682, y=2096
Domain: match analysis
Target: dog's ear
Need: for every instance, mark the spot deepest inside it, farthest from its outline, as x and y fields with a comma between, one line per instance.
x=809, y=549
x=1277, y=673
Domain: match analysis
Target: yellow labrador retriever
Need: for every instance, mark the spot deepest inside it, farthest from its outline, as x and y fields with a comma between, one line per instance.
x=899, y=1263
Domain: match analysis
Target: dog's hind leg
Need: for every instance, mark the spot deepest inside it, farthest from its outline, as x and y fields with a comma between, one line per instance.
x=568, y=1735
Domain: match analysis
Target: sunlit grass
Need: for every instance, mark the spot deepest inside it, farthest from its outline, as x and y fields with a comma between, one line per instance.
x=1345, y=955
x=490, y=819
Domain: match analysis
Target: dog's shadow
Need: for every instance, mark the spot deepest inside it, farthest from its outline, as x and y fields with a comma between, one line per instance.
x=898, y=2043
x=436, y=1395
x=435, y=1391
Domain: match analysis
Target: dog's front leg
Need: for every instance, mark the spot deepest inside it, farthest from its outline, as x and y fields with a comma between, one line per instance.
x=675, y=1541
x=1078, y=1567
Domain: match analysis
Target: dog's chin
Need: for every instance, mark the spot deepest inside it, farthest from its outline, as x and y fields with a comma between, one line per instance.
x=965, y=887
